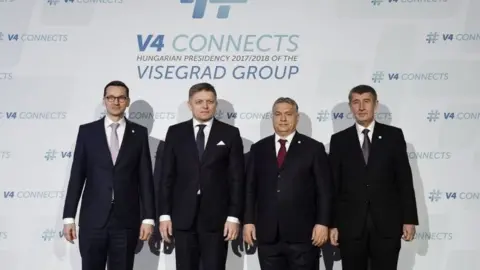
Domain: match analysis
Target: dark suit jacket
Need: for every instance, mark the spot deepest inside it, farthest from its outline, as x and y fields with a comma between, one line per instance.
x=384, y=187
x=293, y=198
x=130, y=178
x=219, y=174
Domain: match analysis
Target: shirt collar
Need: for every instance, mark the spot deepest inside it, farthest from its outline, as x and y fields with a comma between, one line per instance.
x=208, y=123
x=360, y=128
x=109, y=121
x=289, y=138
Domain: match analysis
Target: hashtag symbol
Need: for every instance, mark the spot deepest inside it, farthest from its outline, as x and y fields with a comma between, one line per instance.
x=323, y=115
x=432, y=37
x=48, y=234
x=50, y=155
x=433, y=116
x=219, y=114
x=377, y=76
x=376, y=2
x=435, y=195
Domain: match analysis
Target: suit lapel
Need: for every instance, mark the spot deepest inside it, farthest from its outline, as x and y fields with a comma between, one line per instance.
x=213, y=138
x=357, y=152
x=127, y=136
x=272, y=153
x=376, y=141
x=292, y=150
x=105, y=149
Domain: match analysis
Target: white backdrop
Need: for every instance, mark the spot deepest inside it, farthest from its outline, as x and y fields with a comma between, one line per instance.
x=421, y=56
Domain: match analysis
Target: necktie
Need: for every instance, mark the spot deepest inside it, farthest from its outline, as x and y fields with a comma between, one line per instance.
x=114, y=145
x=366, y=145
x=200, y=140
x=282, y=152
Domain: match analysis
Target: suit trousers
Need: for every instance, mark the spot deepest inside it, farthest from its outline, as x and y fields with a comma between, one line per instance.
x=371, y=251
x=112, y=245
x=196, y=249
x=285, y=255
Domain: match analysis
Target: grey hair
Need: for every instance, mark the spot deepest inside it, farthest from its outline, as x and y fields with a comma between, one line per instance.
x=287, y=100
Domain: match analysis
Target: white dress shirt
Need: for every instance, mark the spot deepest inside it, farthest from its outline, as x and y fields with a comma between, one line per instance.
x=360, y=129
x=206, y=131
x=289, y=139
x=120, y=132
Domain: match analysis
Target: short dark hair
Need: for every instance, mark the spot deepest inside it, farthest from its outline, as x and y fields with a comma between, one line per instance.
x=287, y=100
x=362, y=89
x=116, y=83
x=199, y=87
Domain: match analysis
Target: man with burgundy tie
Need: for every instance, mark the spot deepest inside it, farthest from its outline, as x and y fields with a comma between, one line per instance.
x=288, y=194
x=112, y=162
x=374, y=202
x=201, y=184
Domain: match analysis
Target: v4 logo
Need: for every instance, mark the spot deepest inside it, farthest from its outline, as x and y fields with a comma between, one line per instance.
x=451, y=195
x=447, y=36
x=13, y=37
x=66, y=154
x=337, y=115
x=8, y=194
x=152, y=41
x=449, y=115
x=393, y=76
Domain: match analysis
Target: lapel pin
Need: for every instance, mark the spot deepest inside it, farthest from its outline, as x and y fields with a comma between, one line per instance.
x=133, y=131
x=380, y=137
x=299, y=141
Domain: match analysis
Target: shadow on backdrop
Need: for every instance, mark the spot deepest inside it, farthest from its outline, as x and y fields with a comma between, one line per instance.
x=418, y=246
x=142, y=113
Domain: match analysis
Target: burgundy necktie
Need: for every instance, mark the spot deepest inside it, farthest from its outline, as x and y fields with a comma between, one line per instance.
x=282, y=152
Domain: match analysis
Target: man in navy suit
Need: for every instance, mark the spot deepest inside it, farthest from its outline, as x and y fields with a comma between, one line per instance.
x=112, y=161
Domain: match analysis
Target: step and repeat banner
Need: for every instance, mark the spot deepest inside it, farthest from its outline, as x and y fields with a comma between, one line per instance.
x=422, y=56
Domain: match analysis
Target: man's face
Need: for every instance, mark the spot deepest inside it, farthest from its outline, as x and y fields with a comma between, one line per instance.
x=116, y=100
x=363, y=107
x=203, y=105
x=285, y=118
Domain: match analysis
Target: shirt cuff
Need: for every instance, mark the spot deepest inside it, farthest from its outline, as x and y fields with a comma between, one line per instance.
x=233, y=219
x=68, y=221
x=149, y=221
x=164, y=218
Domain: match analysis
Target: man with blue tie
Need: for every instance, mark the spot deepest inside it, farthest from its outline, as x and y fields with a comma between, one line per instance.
x=112, y=162
x=201, y=184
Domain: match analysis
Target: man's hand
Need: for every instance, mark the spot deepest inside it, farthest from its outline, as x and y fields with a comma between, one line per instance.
x=249, y=234
x=230, y=231
x=166, y=230
x=319, y=235
x=146, y=231
x=69, y=232
x=334, y=237
x=408, y=232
